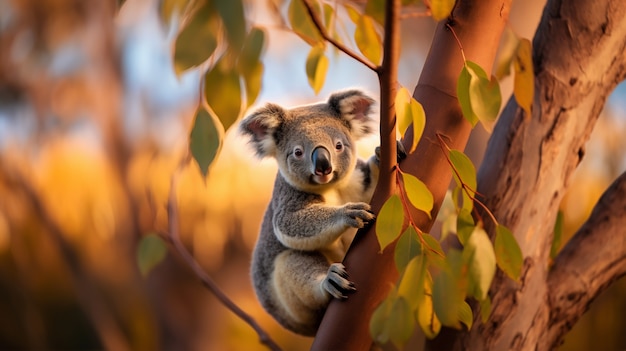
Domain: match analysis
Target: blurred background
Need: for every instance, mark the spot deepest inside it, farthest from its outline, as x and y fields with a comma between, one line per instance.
x=94, y=121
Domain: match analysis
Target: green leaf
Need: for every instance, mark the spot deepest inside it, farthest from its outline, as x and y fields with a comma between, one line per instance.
x=409, y=112
x=426, y=317
x=481, y=260
x=466, y=316
x=441, y=9
x=506, y=52
x=250, y=66
x=251, y=51
x=524, y=82
x=253, y=80
x=150, y=252
x=484, y=94
x=447, y=299
x=376, y=10
x=301, y=22
x=222, y=91
x=433, y=251
x=464, y=174
x=558, y=234
x=197, y=41
x=411, y=286
x=464, y=225
x=432, y=244
x=367, y=39
x=379, y=322
x=401, y=322
x=232, y=14
x=407, y=247
x=447, y=216
x=485, y=309
x=417, y=192
x=316, y=67
x=390, y=221
x=508, y=253
x=206, y=138
x=463, y=94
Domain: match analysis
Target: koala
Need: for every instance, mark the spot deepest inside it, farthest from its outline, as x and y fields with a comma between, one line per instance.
x=320, y=198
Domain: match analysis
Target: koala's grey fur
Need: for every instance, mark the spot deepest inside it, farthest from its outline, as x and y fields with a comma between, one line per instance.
x=320, y=198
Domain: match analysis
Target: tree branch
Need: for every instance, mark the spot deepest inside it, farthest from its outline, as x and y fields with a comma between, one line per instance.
x=593, y=259
x=174, y=237
x=332, y=334
x=320, y=27
x=578, y=59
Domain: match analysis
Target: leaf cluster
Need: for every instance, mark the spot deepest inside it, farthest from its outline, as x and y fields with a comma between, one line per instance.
x=214, y=36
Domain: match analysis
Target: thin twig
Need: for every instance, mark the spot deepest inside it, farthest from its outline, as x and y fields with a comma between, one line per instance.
x=174, y=236
x=320, y=27
x=415, y=14
x=458, y=41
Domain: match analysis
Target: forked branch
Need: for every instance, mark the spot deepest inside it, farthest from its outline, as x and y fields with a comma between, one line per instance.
x=593, y=259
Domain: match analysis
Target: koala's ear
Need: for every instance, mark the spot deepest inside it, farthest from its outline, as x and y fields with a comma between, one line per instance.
x=261, y=126
x=354, y=106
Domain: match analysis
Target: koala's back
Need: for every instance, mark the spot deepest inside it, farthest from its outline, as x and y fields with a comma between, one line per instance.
x=264, y=260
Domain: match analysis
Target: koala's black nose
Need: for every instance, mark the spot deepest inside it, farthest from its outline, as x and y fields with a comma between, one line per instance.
x=321, y=161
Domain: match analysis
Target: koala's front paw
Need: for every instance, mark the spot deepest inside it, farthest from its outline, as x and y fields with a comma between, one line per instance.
x=400, y=152
x=357, y=214
x=336, y=281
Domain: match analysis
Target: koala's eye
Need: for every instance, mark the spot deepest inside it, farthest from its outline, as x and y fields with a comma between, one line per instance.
x=339, y=146
x=298, y=152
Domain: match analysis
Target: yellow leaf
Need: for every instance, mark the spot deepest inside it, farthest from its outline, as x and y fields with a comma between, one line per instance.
x=301, y=22
x=367, y=39
x=390, y=221
x=524, y=82
x=506, y=52
x=353, y=13
x=426, y=317
x=222, y=91
x=409, y=112
x=440, y=9
x=316, y=67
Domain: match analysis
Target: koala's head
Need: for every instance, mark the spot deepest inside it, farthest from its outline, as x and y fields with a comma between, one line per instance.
x=313, y=144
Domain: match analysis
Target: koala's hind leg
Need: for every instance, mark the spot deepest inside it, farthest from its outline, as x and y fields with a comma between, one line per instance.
x=301, y=281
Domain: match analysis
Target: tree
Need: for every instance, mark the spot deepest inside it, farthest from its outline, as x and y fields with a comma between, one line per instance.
x=578, y=59
x=528, y=203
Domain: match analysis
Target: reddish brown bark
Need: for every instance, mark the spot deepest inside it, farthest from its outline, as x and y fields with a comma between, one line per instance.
x=478, y=26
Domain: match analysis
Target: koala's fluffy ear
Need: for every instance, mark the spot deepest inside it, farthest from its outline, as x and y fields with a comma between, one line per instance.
x=355, y=107
x=261, y=126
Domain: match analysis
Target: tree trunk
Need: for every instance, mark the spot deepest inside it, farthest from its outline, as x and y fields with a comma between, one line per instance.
x=478, y=25
x=579, y=58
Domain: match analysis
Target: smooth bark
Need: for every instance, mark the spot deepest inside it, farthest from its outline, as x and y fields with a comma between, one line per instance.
x=578, y=54
x=478, y=26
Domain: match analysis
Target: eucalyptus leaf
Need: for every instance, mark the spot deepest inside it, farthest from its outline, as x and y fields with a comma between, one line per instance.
x=150, y=252
x=317, y=67
x=368, y=40
x=390, y=221
x=508, y=253
x=524, y=81
x=206, y=139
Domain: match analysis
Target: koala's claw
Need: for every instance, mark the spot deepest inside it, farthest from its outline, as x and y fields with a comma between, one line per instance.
x=358, y=214
x=400, y=151
x=336, y=282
